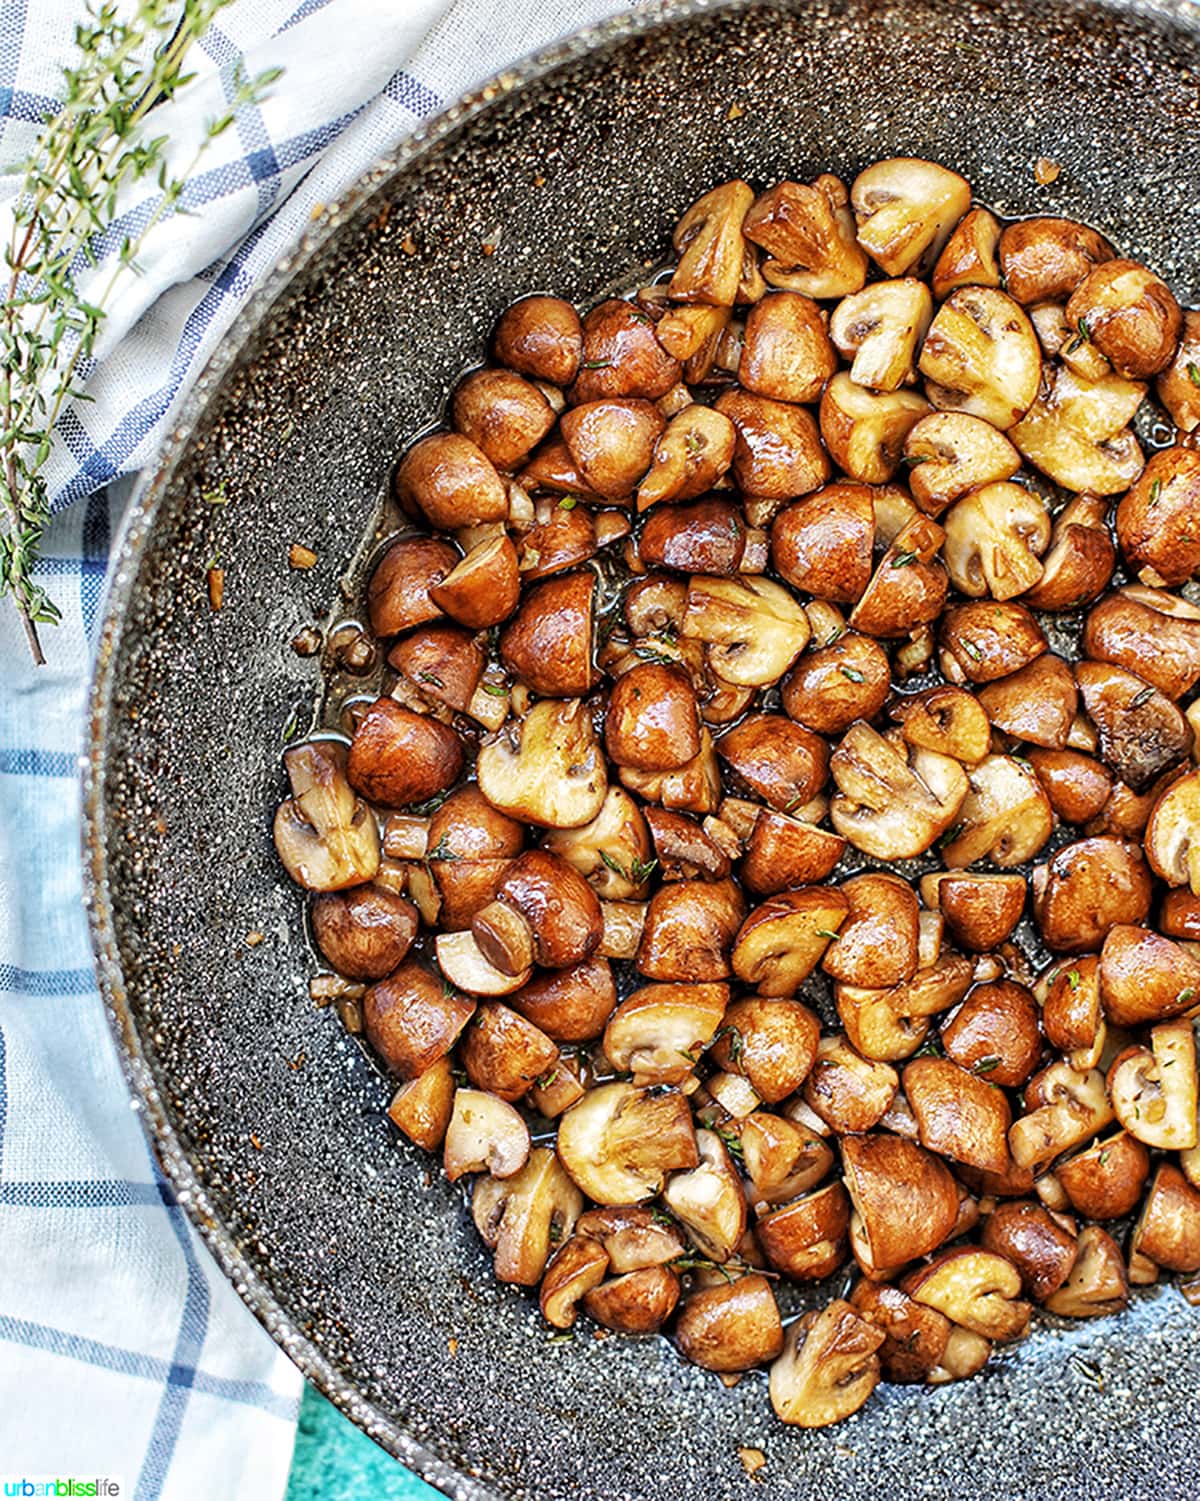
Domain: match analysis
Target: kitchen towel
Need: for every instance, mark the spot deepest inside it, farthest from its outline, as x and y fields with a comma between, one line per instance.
x=124, y=1355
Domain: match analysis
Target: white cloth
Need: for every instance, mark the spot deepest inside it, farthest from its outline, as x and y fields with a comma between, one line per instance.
x=125, y=1354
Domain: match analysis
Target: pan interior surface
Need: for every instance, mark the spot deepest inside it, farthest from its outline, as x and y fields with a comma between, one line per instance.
x=349, y=1245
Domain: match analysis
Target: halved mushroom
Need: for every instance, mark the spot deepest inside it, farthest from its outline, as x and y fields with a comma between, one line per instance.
x=906, y=209
x=1168, y=1231
x=695, y=786
x=828, y=1369
x=865, y=431
x=540, y=337
x=1145, y=977
x=1063, y=1110
x=876, y=944
x=638, y=1303
x=1045, y=259
x=684, y=850
x=633, y=1238
x=981, y=356
x=421, y=1107
x=779, y=761
x=1105, y=1181
x=915, y=1337
x=951, y=453
x=786, y=352
x=398, y=757
x=808, y=234
x=546, y=768
x=730, y=1327
x=326, y=837
x=822, y=544
x=783, y=851
x=441, y=663
x=891, y=805
x=981, y=910
x=1148, y=632
x=772, y=1041
x=1158, y=521
x=576, y=1268
x=1079, y=562
x=782, y=941
x=621, y=358
x=619, y=1142
x=465, y=966
x=753, y=628
x=848, y=1092
x=412, y=1019
x=450, y=482
x=1179, y=915
x=713, y=251
x=905, y=1200
x=1173, y=833
x=689, y=929
x=548, y=642
x=505, y=415
x=969, y=259
x=544, y=913
x=1178, y=386
x=782, y=1159
x=1142, y=733
x=613, y=852
x=708, y=1201
x=994, y=1034
x=653, y=721
x=879, y=329
x=692, y=334
x=658, y=1032
x=959, y=1114
x=522, y=1215
x=1077, y=785
x=908, y=588
x=1087, y=887
x=689, y=457
x=1043, y=1252
x=1097, y=1285
x=1077, y=432
x=1038, y=704
x=806, y=1239
x=504, y=1054
x=365, y=932
x=982, y=642
x=975, y=1288
x=478, y=590
x=399, y=594
x=1153, y=1089
x=569, y=1005
x=945, y=719
x=1005, y=816
x=708, y=536
x=1130, y=315
x=994, y=539
x=485, y=1135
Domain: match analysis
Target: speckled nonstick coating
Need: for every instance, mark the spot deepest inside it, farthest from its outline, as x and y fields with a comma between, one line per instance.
x=346, y=1242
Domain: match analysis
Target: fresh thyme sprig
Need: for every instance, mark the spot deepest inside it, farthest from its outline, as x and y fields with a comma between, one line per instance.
x=86, y=154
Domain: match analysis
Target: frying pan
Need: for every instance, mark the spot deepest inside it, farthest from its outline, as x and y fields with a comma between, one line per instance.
x=357, y=1258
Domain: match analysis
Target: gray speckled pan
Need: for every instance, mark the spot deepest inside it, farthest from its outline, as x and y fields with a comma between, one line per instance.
x=358, y=1258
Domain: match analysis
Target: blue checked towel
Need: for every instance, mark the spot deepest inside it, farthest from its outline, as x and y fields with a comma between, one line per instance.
x=125, y=1354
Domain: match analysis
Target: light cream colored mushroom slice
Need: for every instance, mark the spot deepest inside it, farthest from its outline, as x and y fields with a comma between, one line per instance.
x=974, y=1288
x=485, y=1135
x=965, y=1356
x=950, y=453
x=865, y=431
x=879, y=329
x=708, y=1201
x=1098, y=1284
x=906, y=209
x=547, y=768
x=753, y=628
x=523, y=1216
x=578, y=1266
x=613, y=852
x=969, y=259
x=1077, y=431
x=1173, y=833
x=733, y=1326
x=873, y=1026
x=1153, y=1089
x=781, y=942
x=808, y=234
x=462, y=962
x=994, y=539
x=945, y=719
x=633, y=1237
x=1005, y=815
x=326, y=836
x=713, y=251
x=828, y=1369
x=890, y=805
x=658, y=1032
x=1063, y=1110
x=782, y=1160
x=619, y=1142
x=981, y=356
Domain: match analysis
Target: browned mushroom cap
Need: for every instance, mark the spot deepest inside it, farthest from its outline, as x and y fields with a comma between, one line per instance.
x=1037, y=704
x=782, y=940
x=786, y=351
x=906, y=209
x=638, y=1303
x=994, y=1034
x=1044, y=260
x=908, y=588
x=753, y=629
x=828, y=1369
x=981, y=910
x=1087, y=887
x=1105, y=1181
x=1126, y=813
x=571, y=1004
x=1178, y=387
x=689, y=930
x=806, y=1239
x=485, y=1135
x=782, y=852
x=879, y=329
x=773, y=1042
x=1148, y=632
x=1179, y=915
x=398, y=595
x=468, y=848
x=695, y=787
x=443, y=663
x=398, y=757
x=521, y=1216
x=1158, y=521
x=364, y=933
x=779, y=761
x=548, y=643
x=1098, y=1284
x=411, y=1019
x=960, y=1115
x=1153, y=1089
x=658, y=1032
x=708, y=1200
x=1070, y=996
x=504, y=1053
x=689, y=458
x=808, y=234
x=984, y=641
x=709, y=237
x=503, y=414
x=612, y=442
x=544, y=913
x=865, y=431
x=975, y=1288
x=1078, y=786
x=876, y=945
x=822, y=544
x=730, y=1327
x=559, y=539
x=945, y=719
x=982, y=356
x=889, y=804
x=619, y=1143
x=1130, y=316
x=848, y=1092
x=905, y=1199
x=653, y=721
x=613, y=851
x=706, y=537
x=915, y=1337
x=633, y=1238
x=1042, y=1251
x=479, y=590
x=1064, y=1108
x=421, y=1107
x=451, y=482
x=951, y=453
x=969, y=259
x=777, y=454
x=326, y=837
x=552, y=468
x=542, y=338
x=994, y=539
x=1142, y=733
x=1080, y=560
x=621, y=356
x=831, y=687
x=576, y=1268
x=1169, y=1229
x=781, y=1158
x=1145, y=977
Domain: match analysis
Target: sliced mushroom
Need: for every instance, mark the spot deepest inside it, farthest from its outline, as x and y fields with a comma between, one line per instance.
x=613, y=852
x=442, y=663
x=1142, y=733
x=546, y=768
x=1080, y=560
x=421, y=1107
x=906, y=209
x=969, y=259
x=619, y=1143
x=1063, y=1110
x=694, y=787
x=876, y=944
x=781, y=1158
x=1173, y=833
x=1129, y=315
x=915, y=1337
x=708, y=1201
x=548, y=642
x=865, y=431
x=689, y=458
x=1168, y=1231
x=1158, y=521
x=731, y=1327
x=951, y=453
x=544, y=913
x=465, y=966
x=709, y=237
x=1087, y=887
x=1043, y=1252
x=633, y=1238
x=689, y=930
x=1077, y=432
x=638, y=1303
x=947, y=720
x=981, y=356
x=577, y=1267
x=400, y=591
x=806, y=1239
x=905, y=1200
x=522, y=1215
x=326, y=837
x=653, y=721
x=1153, y=1089
x=888, y=805
x=779, y=761
x=781, y=942
x=1097, y=1285
x=828, y=1369
x=983, y=642
x=974, y=1288
x=753, y=628
x=1038, y=704
x=994, y=539
x=782, y=852
x=981, y=910
x=412, y=1019
x=485, y=1135
x=658, y=1032
x=1148, y=632
x=908, y=588
x=808, y=234
x=684, y=850
x=879, y=329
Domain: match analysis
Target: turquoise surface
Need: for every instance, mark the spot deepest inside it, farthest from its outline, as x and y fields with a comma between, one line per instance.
x=334, y=1460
